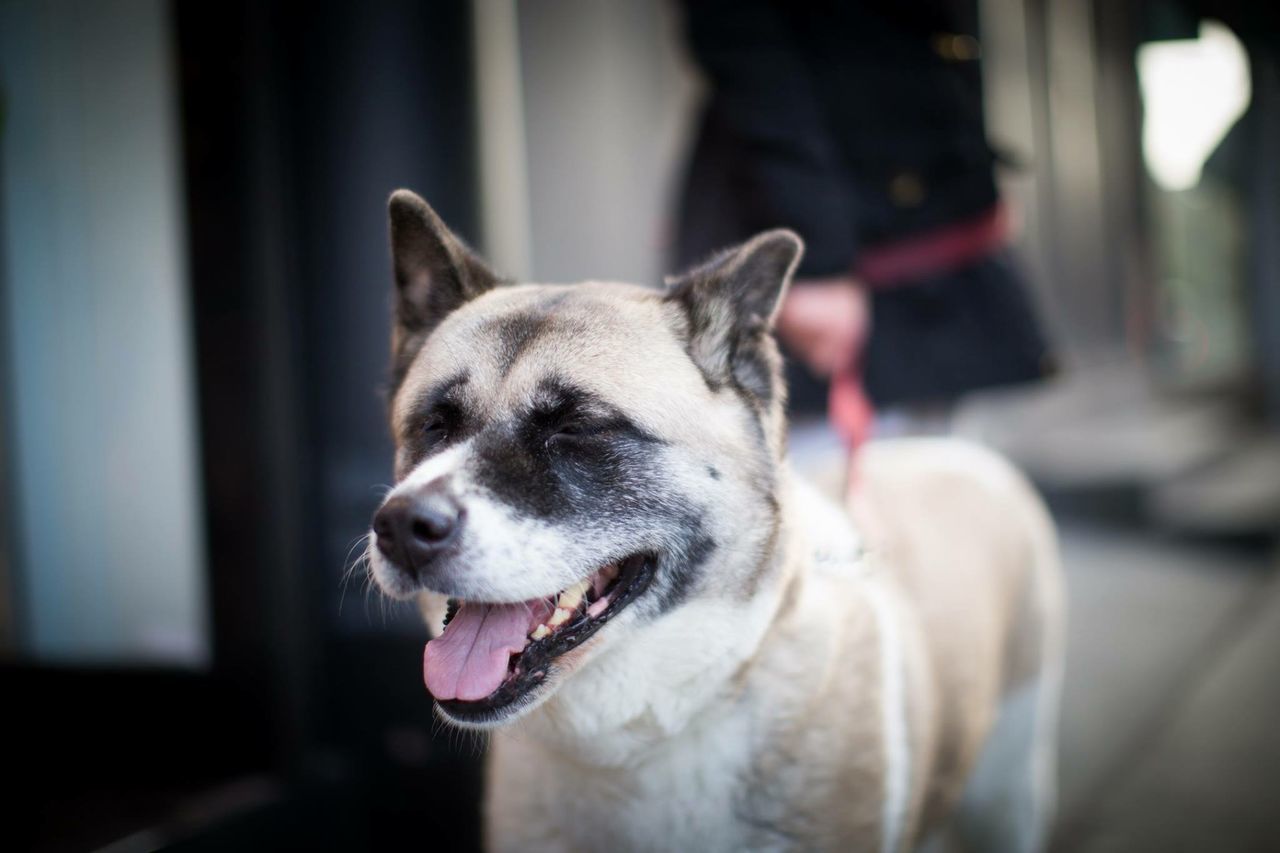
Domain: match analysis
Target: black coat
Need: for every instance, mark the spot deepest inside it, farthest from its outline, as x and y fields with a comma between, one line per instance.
x=860, y=125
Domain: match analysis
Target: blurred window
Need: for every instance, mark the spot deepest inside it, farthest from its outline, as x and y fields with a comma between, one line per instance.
x=1195, y=93
x=102, y=509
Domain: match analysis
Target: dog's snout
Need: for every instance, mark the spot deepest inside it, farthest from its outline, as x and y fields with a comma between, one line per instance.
x=413, y=529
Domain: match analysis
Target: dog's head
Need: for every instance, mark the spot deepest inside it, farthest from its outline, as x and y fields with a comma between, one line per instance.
x=573, y=461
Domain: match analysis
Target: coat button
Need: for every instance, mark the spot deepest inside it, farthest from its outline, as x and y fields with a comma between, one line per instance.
x=906, y=189
x=956, y=47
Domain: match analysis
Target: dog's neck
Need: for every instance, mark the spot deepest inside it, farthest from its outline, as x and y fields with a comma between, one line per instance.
x=692, y=662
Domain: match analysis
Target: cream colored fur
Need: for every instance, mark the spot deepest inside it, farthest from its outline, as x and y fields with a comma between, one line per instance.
x=841, y=708
x=822, y=679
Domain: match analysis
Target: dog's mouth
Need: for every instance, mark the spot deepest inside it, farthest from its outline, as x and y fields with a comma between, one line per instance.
x=490, y=656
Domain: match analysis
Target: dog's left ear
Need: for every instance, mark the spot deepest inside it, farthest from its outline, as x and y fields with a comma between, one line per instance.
x=731, y=302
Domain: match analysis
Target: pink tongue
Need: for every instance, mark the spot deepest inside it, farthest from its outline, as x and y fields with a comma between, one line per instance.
x=469, y=660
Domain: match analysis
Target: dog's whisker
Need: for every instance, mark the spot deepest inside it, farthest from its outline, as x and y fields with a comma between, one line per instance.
x=360, y=561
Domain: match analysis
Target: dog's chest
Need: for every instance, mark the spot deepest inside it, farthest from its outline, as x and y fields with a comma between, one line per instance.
x=695, y=792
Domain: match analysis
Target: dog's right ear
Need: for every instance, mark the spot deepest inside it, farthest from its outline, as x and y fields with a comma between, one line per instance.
x=435, y=274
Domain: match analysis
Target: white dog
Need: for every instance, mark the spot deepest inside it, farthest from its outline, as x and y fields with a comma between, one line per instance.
x=693, y=650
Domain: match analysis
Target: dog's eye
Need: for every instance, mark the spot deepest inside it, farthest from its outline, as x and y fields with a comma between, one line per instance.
x=435, y=430
x=567, y=432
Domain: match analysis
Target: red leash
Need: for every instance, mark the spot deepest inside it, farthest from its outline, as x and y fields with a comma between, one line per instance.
x=849, y=410
x=851, y=415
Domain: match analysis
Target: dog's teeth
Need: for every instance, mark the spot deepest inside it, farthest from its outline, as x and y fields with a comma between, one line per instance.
x=540, y=632
x=560, y=617
x=572, y=597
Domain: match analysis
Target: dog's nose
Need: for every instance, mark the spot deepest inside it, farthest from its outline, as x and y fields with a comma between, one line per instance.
x=412, y=530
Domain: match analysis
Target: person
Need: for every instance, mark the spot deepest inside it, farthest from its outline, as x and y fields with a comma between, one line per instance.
x=860, y=126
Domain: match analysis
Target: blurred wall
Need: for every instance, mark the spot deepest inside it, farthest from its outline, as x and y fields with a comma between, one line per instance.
x=1061, y=107
x=101, y=433
x=608, y=96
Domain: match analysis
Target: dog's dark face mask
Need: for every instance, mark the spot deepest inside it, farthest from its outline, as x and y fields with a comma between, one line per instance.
x=574, y=463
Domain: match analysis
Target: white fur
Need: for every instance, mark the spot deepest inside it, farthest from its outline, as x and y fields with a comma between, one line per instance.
x=632, y=696
x=893, y=709
x=644, y=745
x=827, y=532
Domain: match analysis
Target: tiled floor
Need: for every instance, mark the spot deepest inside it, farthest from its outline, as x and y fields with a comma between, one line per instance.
x=1170, y=733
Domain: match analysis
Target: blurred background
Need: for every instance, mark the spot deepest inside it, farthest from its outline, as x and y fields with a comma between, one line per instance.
x=194, y=309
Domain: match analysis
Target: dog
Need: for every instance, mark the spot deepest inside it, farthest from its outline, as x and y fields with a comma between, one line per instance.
x=681, y=645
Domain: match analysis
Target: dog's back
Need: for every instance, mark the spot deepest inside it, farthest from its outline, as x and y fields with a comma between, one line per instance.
x=973, y=550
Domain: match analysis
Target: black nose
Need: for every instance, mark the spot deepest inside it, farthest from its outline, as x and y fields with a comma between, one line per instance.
x=412, y=530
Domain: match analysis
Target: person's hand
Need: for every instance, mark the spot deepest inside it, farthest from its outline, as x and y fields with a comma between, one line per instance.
x=826, y=321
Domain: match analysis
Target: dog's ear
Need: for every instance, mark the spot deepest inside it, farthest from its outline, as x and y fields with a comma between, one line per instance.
x=731, y=302
x=435, y=272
